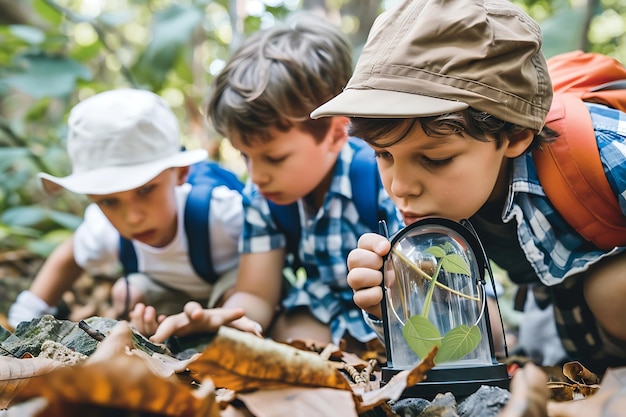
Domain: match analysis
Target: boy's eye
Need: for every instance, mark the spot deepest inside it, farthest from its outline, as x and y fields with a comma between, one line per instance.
x=107, y=202
x=275, y=160
x=145, y=190
x=436, y=162
x=382, y=154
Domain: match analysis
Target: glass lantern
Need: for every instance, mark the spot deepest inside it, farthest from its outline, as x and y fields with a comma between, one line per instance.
x=434, y=295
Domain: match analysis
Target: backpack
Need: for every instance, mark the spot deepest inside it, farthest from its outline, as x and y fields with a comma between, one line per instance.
x=569, y=169
x=204, y=176
x=366, y=184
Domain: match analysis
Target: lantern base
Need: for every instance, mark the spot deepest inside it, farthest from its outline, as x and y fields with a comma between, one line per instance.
x=461, y=381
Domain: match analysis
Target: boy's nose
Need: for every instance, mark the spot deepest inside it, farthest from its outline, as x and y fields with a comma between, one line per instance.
x=134, y=215
x=403, y=184
x=257, y=175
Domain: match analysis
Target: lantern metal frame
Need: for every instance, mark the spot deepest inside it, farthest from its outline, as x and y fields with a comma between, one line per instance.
x=461, y=381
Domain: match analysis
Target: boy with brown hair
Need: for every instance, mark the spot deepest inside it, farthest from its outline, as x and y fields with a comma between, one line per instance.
x=261, y=102
x=453, y=96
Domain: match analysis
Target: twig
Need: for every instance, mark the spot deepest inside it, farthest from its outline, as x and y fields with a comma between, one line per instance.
x=355, y=374
x=94, y=333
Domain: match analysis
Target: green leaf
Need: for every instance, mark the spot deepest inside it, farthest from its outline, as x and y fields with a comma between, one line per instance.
x=555, y=39
x=45, y=75
x=29, y=34
x=436, y=251
x=66, y=220
x=457, y=343
x=47, y=12
x=455, y=264
x=8, y=156
x=421, y=335
x=171, y=34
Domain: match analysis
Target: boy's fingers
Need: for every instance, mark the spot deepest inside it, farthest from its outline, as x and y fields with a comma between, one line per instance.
x=369, y=300
x=193, y=309
x=362, y=278
x=363, y=258
x=169, y=326
x=375, y=243
x=195, y=319
x=246, y=325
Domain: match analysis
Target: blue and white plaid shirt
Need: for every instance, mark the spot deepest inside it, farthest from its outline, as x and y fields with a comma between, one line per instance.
x=325, y=242
x=553, y=248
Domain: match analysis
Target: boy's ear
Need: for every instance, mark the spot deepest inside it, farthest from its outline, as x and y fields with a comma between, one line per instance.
x=519, y=142
x=338, y=132
x=182, y=173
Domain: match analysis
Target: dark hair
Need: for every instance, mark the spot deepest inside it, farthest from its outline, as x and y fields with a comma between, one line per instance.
x=479, y=125
x=277, y=77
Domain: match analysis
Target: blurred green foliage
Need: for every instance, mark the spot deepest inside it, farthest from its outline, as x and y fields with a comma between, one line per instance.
x=53, y=53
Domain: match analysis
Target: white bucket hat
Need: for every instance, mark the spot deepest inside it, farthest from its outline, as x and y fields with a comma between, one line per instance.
x=120, y=140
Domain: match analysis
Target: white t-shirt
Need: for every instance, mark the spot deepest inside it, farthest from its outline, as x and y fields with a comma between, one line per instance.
x=96, y=243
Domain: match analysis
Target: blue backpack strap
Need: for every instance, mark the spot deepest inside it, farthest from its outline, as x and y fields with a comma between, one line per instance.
x=366, y=183
x=128, y=257
x=204, y=177
x=197, y=229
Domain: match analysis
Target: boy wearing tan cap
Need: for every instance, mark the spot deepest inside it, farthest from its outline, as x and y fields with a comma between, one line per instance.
x=127, y=159
x=452, y=95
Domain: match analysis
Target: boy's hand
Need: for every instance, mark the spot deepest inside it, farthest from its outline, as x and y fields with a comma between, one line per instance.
x=144, y=319
x=365, y=277
x=196, y=319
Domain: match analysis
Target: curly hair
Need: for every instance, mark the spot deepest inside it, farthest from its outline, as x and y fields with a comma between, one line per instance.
x=277, y=77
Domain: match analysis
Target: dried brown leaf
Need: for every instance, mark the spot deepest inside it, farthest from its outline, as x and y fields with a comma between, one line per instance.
x=124, y=382
x=609, y=400
x=300, y=402
x=16, y=373
x=576, y=372
x=396, y=386
x=565, y=391
x=241, y=361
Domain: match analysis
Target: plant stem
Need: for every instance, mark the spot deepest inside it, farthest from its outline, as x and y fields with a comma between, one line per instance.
x=429, y=278
x=431, y=289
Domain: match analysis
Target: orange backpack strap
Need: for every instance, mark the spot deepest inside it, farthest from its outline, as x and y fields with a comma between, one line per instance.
x=571, y=173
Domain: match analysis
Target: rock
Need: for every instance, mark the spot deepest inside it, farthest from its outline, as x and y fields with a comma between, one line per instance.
x=410, y=407
x=30, y=336
x=4, y=333
x=488, y=401
x=443, y=405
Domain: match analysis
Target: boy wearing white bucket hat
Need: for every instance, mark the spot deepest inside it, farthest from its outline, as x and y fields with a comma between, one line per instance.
x=127, y=159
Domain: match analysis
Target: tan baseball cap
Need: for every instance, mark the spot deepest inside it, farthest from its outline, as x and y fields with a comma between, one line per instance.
x=119, y=140
x=430, y=57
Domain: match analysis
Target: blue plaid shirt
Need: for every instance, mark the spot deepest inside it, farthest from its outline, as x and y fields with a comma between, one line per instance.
x=553, y=248
x=325, y=242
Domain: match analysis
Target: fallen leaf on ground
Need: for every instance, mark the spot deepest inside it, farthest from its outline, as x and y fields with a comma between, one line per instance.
x=300, y=402
x=609, y=400
x=16, y=373
x=397, y=384
x=243, y=362
x=576, y=372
